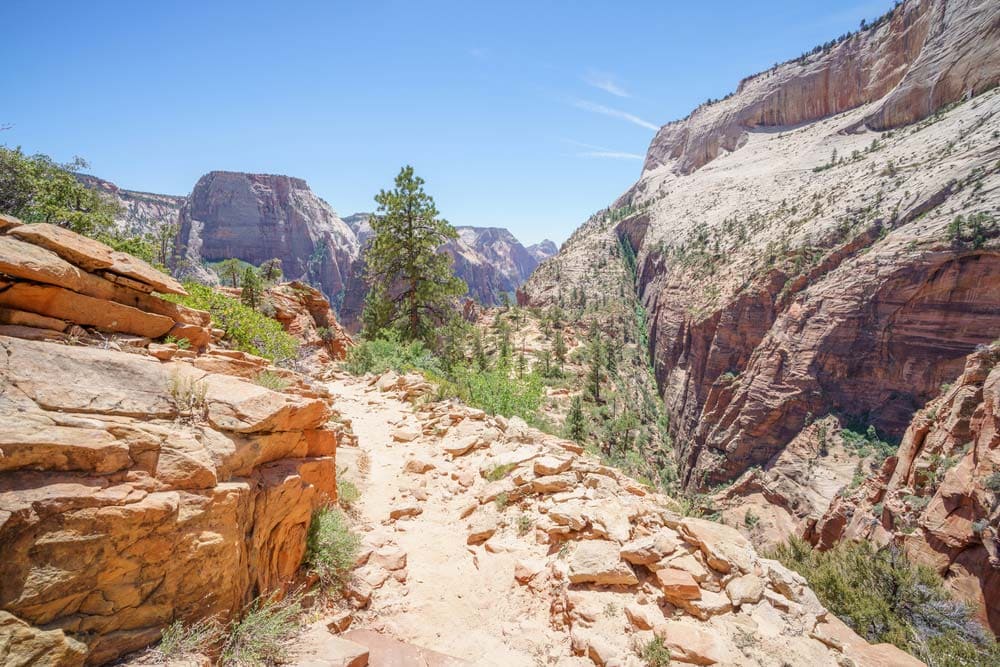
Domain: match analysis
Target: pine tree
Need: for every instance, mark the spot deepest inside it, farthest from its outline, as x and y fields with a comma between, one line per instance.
x=504, y=344
x=270, y=271
x=559, y=349
x=230, y=270
x=253, y=288
x=545, y=358
x=412, y=284
x=575, y=426
x=595, y=368
x=478, y=353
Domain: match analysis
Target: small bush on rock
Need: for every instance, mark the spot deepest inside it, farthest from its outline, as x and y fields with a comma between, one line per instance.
x=331, y=547
x=262, y=635
x=655, y=653
x=271, y=380
x=247, y=329
x=181, y=640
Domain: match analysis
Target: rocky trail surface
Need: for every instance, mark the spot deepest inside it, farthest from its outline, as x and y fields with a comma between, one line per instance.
x=492, y=543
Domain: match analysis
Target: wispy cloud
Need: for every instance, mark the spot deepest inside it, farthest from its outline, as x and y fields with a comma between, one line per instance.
x=479, y=53
x=614, y=113
x=605, y=82
x=602, y=152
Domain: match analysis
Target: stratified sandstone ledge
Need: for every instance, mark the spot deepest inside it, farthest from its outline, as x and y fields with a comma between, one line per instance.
x=140, y=483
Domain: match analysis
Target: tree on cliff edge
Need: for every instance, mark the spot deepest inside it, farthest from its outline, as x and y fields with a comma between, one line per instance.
x=412, y=285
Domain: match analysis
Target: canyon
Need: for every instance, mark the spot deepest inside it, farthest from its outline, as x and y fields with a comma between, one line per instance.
x=176, y=481
x=820, y=245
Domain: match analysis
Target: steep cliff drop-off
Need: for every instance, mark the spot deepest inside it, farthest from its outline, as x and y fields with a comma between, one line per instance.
x=940, y=495
x=256, y=217
x=140, y=483
x=816, y=267
x=822, y=242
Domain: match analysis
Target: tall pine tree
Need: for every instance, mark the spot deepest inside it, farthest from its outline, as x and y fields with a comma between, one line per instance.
x=412, y=286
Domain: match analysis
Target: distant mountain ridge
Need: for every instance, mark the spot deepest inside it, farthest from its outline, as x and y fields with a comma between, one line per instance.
x=254, y=217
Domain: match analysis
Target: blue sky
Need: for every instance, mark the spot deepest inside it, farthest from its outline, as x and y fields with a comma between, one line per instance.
x=528, y=115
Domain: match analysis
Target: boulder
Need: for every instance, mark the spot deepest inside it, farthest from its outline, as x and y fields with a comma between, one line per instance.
x=598, y=562
x=724, y=548
x=677, y=584
x=22, y=645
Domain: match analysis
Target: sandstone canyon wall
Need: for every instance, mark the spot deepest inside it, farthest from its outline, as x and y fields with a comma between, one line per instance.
x=822, y=242
x=256, y=217
x=939, y=497
x=782, y=283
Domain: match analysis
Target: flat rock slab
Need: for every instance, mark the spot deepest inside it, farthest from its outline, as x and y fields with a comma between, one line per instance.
x=93, y=255
x=388, y=652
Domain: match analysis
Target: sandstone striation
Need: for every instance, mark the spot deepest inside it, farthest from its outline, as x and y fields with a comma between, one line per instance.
x=813, y=269
x=924, y=55
x=939, y=497
x=140, y=483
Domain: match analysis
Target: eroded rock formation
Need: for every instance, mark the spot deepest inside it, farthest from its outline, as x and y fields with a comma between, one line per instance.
x=822, y=244
x=140, y=483
x=939, y=497
x=257, y=217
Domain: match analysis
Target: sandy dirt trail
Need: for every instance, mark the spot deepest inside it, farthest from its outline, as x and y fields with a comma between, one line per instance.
x=456, y=599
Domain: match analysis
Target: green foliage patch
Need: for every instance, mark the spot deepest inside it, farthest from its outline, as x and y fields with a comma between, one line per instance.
x=885, y=598
x=247, y=329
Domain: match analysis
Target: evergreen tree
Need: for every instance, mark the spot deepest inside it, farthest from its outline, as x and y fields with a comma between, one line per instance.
x=504, y=345
x=545, y=358
x=253, y=288
x=270, y=271
x=478, y=353
x=575, y=426
x=230, y=270
x=594, y=370
x=559, y=349
x=412, y=284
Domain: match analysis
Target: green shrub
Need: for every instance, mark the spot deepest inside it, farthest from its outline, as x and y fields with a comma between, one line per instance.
x=524, y=524
x=884, y=598
x=347, y=492
x=262, y=635
x=497, y=392
x=867, y=443
x=499, y=472
x=181, y=640
x=331, y=547
x=245, y=328
x=993, y=482
x=387, y=352
x=655, y=653
x=271, y=380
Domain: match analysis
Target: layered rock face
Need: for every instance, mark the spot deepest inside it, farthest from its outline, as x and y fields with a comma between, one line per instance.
x=834, y=271
x=939, y=497
x=256, y=217
x=816, y=268
x=53, y=280
x=306, y=314
x=927, y=53
x=140, y=483
x=141, y=212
